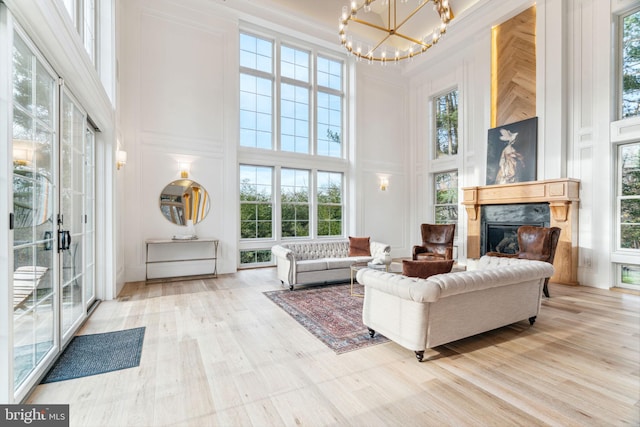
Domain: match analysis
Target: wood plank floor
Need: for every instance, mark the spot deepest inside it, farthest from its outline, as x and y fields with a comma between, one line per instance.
x=219, y=353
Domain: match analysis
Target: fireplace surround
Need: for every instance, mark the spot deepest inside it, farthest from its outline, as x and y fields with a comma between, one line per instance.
x=499, y=224
x=562, y=198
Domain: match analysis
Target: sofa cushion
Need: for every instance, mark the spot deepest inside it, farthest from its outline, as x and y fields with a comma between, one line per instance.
x=359, y=246
x=424, y=269
x=311, y=265
x=339, y=262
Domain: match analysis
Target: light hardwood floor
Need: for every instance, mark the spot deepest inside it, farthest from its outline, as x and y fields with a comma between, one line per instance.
x=218, y=352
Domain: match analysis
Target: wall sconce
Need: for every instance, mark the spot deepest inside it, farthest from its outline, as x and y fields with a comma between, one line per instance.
x=22, y=156
x=184, y=169
x=384, y=183
x=121, y=159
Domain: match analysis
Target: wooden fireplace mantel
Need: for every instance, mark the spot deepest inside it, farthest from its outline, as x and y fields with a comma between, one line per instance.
x=563, y=198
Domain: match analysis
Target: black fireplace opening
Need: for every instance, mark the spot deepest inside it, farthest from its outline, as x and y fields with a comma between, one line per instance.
x=503, y=238
x=500, y=223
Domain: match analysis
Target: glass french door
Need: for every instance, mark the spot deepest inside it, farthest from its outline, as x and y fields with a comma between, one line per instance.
x=89, y=224
x=35, y=270
x=72, y=213
x=53, y=208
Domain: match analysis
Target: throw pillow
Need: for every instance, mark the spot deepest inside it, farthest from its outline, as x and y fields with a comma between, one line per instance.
x=359, y=246
x=424, y=269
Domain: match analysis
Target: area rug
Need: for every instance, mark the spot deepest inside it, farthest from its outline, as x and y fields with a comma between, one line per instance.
x=330, y=313
x=97, y=354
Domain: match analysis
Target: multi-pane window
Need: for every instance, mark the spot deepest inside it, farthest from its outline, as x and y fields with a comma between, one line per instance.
x=256, y=202
x=329, y=199
x=256, y=53
x=446, y=124
x=630, y=56
x=292, y=99
x=310, y=104
x=628, y=206
x=630, y=276
x=70, y=5
x=446, y=197
x=294, y=202
x=294, y=118
x=629, y=195
x=329, y=107
x=255, y=256
x=256, y=92
x=89, y=29
x=83, y=16
x=294, y=64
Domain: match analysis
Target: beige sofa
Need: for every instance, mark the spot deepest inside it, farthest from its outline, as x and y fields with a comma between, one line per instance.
x=425, y=313
x=319, y=262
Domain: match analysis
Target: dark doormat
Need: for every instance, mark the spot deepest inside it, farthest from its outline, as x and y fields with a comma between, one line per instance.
x=97, y=354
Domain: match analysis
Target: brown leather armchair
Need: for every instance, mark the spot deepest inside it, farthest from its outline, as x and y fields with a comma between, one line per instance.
x=437, y=242
x=537, y=243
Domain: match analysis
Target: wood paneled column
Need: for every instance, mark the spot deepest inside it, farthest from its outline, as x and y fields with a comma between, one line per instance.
x=564, y=202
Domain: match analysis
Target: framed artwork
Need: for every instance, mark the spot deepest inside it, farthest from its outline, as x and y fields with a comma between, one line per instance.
x=512, y=152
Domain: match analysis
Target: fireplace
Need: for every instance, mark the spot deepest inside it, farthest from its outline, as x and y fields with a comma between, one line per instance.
x=560, y=198
x=500, y=223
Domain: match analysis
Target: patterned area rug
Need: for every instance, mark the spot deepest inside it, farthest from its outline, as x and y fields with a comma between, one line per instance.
x=330, y=313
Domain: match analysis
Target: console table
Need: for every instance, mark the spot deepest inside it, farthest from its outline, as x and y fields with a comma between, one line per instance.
x=169, y=258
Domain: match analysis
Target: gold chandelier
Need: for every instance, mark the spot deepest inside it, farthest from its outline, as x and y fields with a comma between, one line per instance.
x=401, y=45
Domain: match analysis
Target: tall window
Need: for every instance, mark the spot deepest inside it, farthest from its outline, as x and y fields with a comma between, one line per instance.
x=446, y=124
x=83, y=16
x=256, y=202
x=70, y=5
x=311, y=98
x=329, y=108
x=446, y=197
x=329, y=196
x=294, y=202
x=89, y=28
x=628, y=193
x=294, y=118
x=256, y=92
x=292, y=98
x=630, y=55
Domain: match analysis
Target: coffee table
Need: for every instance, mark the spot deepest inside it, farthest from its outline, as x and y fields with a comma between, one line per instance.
x=394, y=267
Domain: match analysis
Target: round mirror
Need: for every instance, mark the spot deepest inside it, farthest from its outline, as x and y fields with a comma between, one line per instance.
x=184, y=200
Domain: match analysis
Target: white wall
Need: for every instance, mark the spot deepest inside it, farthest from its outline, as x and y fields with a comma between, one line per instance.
x=178, y=89
x=573, y=106
x=178, y=71
x=382, y=150
x=178, y=84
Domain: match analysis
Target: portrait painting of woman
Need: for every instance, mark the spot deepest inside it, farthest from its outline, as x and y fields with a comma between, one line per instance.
x=511, y=153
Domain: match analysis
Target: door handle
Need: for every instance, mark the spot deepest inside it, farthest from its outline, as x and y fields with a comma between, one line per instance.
x=47, y=238
x=68, y=239
x=61, y=240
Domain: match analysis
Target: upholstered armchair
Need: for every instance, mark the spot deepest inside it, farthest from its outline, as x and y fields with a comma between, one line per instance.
x=537, y=243
x=437, y=242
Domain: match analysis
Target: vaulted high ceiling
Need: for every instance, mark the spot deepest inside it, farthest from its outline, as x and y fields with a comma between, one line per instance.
x=326, y=13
